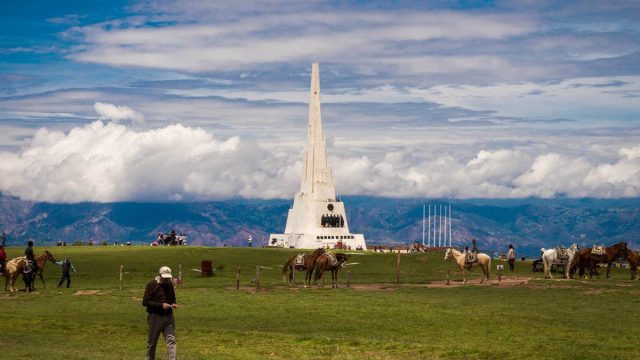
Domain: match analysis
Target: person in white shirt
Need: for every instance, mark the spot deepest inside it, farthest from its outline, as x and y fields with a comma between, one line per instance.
x=511, y=258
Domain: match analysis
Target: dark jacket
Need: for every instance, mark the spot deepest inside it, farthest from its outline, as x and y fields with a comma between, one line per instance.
x=28, y=252
x=155, y=294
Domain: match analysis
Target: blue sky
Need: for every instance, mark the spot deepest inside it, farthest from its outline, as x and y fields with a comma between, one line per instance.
x=420, y=99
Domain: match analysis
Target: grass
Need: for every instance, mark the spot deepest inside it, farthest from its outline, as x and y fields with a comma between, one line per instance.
x=375, y=319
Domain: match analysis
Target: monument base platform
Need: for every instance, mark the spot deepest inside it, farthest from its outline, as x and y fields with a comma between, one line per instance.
x=312, y=241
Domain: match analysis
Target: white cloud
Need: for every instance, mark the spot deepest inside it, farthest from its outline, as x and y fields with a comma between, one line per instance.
x=230, y=43
x=117, y=113
x=110, y=162
x=602, y=98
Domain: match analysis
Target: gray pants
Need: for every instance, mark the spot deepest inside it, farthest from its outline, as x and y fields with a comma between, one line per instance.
x=165, y=324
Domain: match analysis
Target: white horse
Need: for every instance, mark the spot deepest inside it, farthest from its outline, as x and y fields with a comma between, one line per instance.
x=12, y=269
x=550, y=257
x=483, y=260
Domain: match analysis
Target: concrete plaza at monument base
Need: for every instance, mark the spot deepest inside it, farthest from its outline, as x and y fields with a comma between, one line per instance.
x=317, y=218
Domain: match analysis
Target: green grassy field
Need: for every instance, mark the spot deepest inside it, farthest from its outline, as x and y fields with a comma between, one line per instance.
x=374, y=319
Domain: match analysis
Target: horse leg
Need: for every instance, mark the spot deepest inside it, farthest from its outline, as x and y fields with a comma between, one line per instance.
x=609, y=268
x=42, y=279
x=547, y=270
x=594, y=270
x=485, y=269
x=464, y=275
x=307, y=277
x=334, y=275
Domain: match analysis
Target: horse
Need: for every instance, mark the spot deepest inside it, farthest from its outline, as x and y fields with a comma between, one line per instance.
x=633, y=257
x=308, y=265
x=586, y=258
x=41, y=261
x=12, y=269
x=550, y=257
x=483, y=260
x=330, y=262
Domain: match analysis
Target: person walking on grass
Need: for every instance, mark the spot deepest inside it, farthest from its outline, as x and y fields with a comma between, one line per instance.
x=160, y=300
x=67, y=266
x=511, y=258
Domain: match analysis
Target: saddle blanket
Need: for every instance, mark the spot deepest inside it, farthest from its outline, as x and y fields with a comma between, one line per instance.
x=332, y=259
x=561, y=253
x=598, y=250
x=300, y=259
x=470, y=258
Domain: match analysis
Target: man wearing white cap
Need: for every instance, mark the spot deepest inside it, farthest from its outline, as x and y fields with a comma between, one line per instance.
x=160, y=300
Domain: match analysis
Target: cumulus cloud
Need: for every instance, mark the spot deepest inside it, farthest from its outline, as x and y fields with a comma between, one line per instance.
x=107, y=162
x=117, y=113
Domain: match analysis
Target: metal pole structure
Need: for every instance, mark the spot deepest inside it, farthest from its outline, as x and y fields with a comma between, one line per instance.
x=429, y=228
x=444, y=241
x=423, y=211
x=440, y=228
x=435, y=218
x=449, y=224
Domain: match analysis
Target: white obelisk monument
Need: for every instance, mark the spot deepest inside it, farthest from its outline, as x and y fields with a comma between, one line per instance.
x=317, y=218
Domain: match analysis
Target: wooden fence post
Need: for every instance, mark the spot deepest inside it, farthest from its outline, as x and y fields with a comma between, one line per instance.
x=238, y=279
x=121, y=276
x=398, y=269
x=257, y=278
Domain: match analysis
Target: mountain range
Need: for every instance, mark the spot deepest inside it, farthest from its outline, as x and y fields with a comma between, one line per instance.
x=529, y=224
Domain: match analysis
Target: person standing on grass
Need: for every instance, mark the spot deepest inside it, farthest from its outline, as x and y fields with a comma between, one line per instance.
x=511, y=258
x=67, y=266
x=31, y=259
x=160, y=300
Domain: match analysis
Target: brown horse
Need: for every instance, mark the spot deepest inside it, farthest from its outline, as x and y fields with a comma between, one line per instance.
x=633, y=257
x=41, y=261
x=12, y=269
x=330, y=262
x=586, y=259
x=308, y=264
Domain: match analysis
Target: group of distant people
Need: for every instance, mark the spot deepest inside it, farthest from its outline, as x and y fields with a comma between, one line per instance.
x=172, y=239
